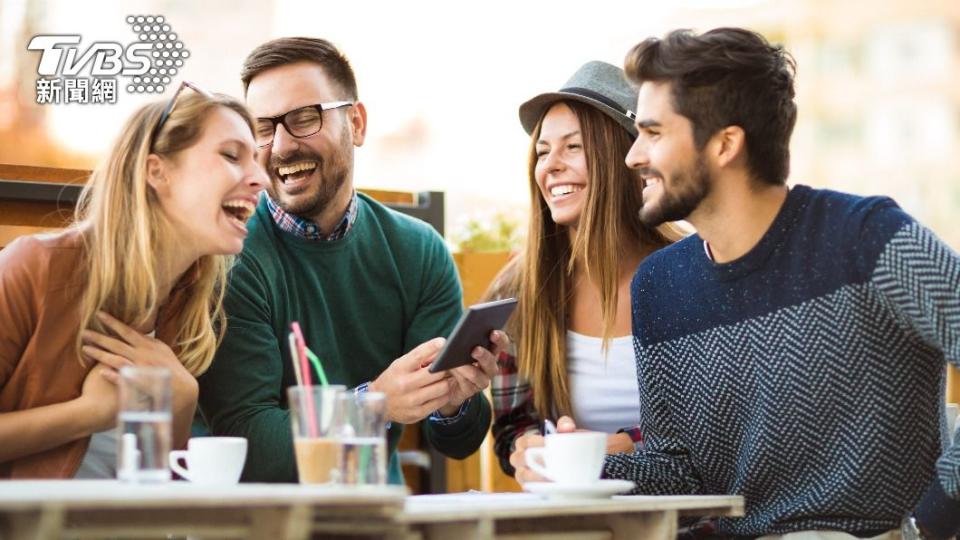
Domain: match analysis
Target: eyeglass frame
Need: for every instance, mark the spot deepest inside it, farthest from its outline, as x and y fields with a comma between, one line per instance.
x=168, y=110
x=282, y=119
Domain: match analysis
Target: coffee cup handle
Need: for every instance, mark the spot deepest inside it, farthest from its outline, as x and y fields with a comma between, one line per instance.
x=535, y=462
x=175, y=457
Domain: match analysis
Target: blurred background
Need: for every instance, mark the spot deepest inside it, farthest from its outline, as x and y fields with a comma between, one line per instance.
x=878, y=86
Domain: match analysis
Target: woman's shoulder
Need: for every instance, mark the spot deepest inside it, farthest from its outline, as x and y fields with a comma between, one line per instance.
x=70, y=238
x=39, y=256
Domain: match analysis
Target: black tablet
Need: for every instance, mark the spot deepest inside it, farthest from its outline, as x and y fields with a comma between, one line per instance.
x=472, y=330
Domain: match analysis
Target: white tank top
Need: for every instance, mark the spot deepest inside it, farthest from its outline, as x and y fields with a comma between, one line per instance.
x=100, y=461
x=603, y=391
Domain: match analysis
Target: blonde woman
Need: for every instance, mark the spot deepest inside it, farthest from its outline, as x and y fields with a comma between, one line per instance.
x=574, y=352
x=138, y=280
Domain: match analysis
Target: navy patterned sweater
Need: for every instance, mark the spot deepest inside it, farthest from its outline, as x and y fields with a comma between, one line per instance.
x=807, y=376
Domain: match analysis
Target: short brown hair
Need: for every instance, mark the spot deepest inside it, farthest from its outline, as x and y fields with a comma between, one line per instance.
x=283, y=51
x=727, y=77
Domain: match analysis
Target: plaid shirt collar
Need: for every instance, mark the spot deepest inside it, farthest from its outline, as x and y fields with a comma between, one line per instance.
x=308, y=230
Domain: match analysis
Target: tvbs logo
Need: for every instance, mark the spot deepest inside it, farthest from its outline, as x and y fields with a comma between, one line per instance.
x=71, y=72
x=104, y=58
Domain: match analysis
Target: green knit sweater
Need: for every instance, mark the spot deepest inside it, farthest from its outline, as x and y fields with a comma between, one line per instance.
x=362, y=301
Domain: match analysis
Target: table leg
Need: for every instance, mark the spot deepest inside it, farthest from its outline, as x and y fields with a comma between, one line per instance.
x=286, y=523
x=661, y=525
x=481, y=529
x=33, y=524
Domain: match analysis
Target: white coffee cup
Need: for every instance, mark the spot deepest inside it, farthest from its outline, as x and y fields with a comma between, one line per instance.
x=211, y=460
x=569, y=458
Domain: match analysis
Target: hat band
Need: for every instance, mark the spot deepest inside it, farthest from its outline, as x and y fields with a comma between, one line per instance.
x=586, y=92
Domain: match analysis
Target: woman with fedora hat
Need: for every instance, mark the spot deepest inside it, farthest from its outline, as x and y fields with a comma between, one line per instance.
x=573, y=352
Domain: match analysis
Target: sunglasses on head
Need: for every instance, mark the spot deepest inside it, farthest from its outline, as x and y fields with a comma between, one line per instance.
x=165, y=115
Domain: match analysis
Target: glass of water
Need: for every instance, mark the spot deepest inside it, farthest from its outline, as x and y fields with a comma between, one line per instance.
x=363, y=435
x=145, y=424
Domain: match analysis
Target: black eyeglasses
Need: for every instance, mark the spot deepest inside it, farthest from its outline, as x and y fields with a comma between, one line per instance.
x=300, y=123
x=165, y=115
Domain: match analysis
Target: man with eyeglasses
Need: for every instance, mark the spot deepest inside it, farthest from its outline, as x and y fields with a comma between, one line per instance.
x=372, y=288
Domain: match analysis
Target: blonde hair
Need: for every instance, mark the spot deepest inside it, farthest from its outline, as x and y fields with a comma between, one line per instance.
x=125, y=233
x=541, y=277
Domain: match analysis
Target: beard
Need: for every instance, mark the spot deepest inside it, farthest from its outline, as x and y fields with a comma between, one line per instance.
x=314, y=199
x=686, y=190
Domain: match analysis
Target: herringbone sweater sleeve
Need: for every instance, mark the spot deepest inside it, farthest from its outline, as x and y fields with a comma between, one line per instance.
x=664, y=466
x=654, y=473
x=920, y=276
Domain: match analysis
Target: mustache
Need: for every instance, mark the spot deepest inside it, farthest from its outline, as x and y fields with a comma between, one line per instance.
x=649, y=171
x=300, y=155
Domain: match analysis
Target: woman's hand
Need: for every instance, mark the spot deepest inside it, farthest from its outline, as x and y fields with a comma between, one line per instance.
x=523, y=473
x=135, y=349
x=518, y=459
x=131, y=348
x=616, y=443
x=99, y=397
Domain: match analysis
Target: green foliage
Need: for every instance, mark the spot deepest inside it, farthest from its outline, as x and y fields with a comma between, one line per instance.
x=498, y=233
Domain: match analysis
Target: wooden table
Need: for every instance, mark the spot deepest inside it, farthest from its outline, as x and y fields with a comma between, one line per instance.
x=109, y=509
x=523, y=516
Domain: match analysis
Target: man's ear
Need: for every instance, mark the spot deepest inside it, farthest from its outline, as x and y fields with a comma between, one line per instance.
x=357, y=116
x=157, y=174
x=728, y=146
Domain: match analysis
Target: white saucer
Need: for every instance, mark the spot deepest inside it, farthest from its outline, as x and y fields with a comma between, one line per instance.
x=598, y=489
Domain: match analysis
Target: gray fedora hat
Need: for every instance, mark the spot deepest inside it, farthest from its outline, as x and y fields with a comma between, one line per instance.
x=596, y=83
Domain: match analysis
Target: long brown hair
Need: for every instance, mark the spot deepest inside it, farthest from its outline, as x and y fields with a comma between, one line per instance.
x=541, y=277
x=126, y=233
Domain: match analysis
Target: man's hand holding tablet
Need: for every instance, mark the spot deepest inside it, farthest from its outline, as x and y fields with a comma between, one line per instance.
x=459, y=367
x=470, y=353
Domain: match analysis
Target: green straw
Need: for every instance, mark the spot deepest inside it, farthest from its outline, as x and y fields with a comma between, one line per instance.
x=317, y=366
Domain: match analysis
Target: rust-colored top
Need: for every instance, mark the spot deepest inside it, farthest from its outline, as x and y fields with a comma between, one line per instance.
x=41, y=284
